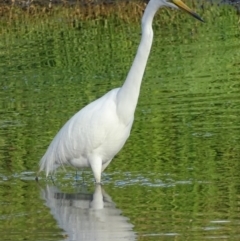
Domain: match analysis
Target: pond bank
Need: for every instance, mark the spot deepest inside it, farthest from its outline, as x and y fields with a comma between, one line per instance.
x=75, y=10
x=88, y=9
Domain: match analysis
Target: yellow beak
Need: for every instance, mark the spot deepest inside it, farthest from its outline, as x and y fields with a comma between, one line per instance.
x=183, y=6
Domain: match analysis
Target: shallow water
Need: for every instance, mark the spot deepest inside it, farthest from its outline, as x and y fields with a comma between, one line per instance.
x=177, y=177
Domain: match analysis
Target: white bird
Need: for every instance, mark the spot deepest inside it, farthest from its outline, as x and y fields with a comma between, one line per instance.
x=95, y=134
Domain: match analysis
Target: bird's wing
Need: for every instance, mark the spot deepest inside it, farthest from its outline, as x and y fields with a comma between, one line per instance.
x=88, y=128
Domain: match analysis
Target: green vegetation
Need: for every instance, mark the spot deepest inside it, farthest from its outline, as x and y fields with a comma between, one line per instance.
x=120, y=9
x=181, y=162
x=125, y=10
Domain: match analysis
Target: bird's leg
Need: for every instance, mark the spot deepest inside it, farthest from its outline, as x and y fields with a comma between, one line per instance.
x=52, y=180
x=76, y=176
x=36, y=178
x=83, y=176
x=96, y=165
x=104, y=166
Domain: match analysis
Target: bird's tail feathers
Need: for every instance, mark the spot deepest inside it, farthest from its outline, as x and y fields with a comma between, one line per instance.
x=59, y=152
x=54, y=157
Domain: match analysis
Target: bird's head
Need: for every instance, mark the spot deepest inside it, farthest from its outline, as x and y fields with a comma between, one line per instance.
x=179, y=4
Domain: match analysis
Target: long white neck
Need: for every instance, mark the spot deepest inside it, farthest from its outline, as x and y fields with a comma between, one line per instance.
x=128, y=94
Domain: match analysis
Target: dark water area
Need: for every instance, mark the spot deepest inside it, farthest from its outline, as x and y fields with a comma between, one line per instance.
x=177, y=177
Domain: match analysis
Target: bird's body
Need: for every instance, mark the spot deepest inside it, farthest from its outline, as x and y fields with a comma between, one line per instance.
x=94, y=135
x=81, y=142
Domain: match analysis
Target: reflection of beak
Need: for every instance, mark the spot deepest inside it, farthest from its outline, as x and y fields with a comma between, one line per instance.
x=183, y=6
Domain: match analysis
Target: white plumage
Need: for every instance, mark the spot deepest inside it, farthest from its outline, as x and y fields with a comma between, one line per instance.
x=94, y=135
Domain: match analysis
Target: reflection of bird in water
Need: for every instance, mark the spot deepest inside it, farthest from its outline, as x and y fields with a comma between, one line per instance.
x=94, y=135
x=88, y=217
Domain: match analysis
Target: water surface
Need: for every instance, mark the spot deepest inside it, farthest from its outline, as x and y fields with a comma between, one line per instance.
x=177, y=176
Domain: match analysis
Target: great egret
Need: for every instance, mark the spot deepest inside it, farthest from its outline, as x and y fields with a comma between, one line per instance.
x=95, y=134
